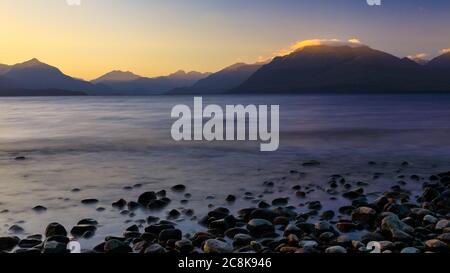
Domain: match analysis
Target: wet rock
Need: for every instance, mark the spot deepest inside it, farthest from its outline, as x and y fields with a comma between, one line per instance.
x=147, y=197
x=216, y=246
x=364, y=215
x=263, y=205
x=155, y=249
x=116, y=246
x=346, y=227
x=445, y=237
x=323, y=226
x=265, y=214
x=184, y=246
x=90, y=201
x=230, y=198
x=242, y=240
x=231, y=233
x=392, y=223
x=429, y=219
x=353, y=194
x=161, y=193
x=20, y=158
x=132, y=206
x=300, y=194
x=410, y=250
x=29, y=243
x=173, y=214
x=311, y=163
x=88, y=221
x=327, y=215
x=442, y=224
x=40, y=209
x=280, y=202
x=58, y=238
x=436, y=245
x=281, y=220
x=120, y=204
x=260, y=227
x=55, y=247
x=335, y=250
x=169, y=234
x=55, y=229
x=8, y=243
x=85, y=231
x=157, y=228
x=157, y=204
x=315, y=205
x=179, y=188
x=16, y=229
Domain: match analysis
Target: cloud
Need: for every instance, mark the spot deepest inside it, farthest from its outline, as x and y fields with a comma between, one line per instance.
x=420, y=58
x=445, y=51
x=353, y=42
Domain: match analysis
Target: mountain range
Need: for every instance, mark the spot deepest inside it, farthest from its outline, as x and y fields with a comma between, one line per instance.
x=128, y=83
x=346, y=69
x=312, y=69
x=222, y=81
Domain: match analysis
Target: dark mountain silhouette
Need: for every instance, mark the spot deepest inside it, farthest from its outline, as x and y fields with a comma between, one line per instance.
x=440, y=62
x=342, y=69
x=221, y=81
x=34, y=74
x=4, y=68
x=146, y=86
x=6, y=83
x=116, y=76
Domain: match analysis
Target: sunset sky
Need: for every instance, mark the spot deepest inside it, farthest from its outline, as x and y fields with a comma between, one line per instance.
x=157, y=37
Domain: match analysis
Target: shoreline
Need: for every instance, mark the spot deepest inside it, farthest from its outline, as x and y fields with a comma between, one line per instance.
x=397, y=221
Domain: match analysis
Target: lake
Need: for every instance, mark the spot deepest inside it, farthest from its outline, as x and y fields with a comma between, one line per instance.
x=119, y=147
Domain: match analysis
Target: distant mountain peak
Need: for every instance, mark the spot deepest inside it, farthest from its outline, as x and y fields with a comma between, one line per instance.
x=31, y=63
x=117, y=76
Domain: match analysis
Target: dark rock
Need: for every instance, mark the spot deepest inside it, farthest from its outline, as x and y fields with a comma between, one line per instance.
x=20, y=158
x=16, y=229
x=327, y=215
x=90, y=201
x=173, y=214
x=157, y=228
x=311, y=163
x=346, y=227
x=280, y=202
x=29, y=243
x=54, y=247
x=179, y=188
x=85, y=231
x=436, y=245
x=8, y=243
x=155, y=249
x=335, y=250
x=40, y=209
x=230, y=198
x=169, y=234
x=147, y=197
x=265, y=214
x=260, y=227
x=364, y=215
x=157, y=204
x=230, y=233
x=184, y=246
x=54, y=229
x=241, y=240
x=216, y=246
x=116, y=246
x=315, y=205
x=88, y=221
x=120, y=204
